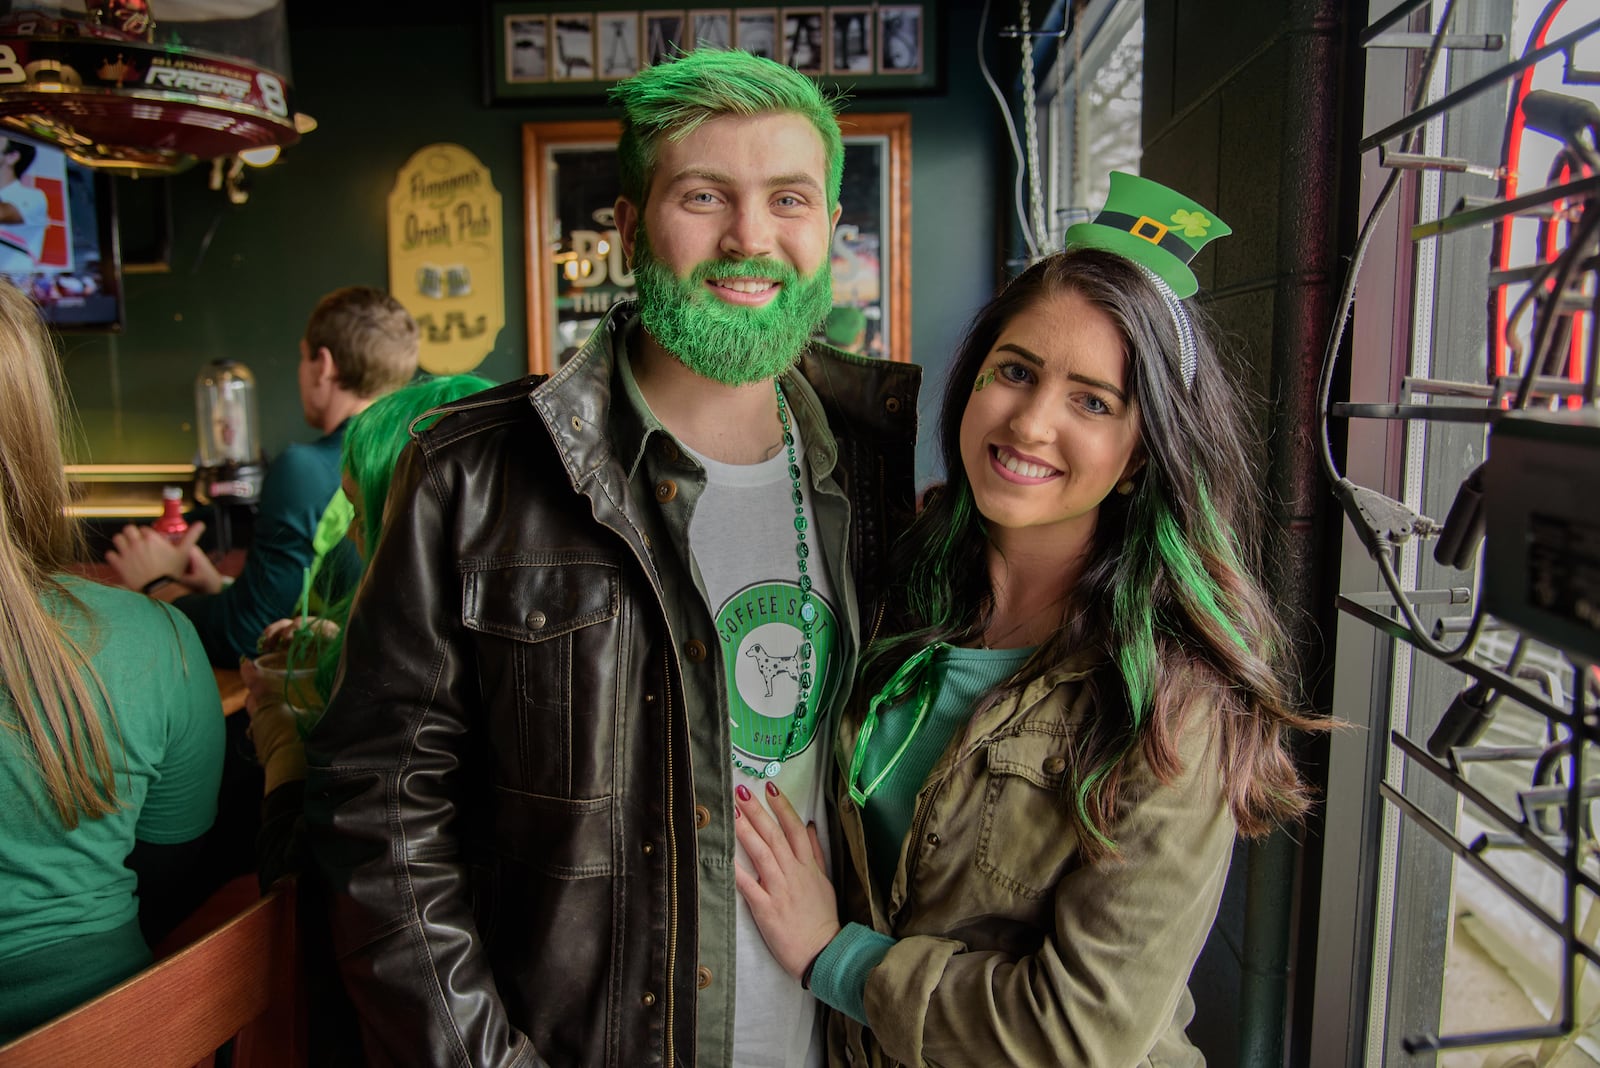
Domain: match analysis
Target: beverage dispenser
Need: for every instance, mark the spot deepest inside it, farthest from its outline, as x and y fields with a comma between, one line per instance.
x=229, y=469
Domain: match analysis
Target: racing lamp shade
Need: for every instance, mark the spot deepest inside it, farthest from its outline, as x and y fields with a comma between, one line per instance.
x=119, y=91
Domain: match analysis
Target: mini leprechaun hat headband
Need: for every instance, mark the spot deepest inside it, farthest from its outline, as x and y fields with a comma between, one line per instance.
x=1154, y=227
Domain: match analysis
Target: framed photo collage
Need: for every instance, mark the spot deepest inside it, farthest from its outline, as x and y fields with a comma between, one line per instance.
x=555, y=50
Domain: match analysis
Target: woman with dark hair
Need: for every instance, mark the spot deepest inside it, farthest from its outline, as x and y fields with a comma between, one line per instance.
x=1079, y=699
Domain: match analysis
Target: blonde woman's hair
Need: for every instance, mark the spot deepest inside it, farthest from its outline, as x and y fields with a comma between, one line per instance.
x=46, y=673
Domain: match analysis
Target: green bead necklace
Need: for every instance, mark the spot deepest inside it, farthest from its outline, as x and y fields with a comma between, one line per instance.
x=808, y=610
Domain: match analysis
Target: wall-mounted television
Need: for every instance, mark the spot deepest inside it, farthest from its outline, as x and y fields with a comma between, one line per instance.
x=58, y=235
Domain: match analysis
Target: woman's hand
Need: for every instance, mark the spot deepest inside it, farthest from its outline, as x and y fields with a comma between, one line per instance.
x=276, y=634
x=788, y=893
x=140, y=556
x=199, y=574
x=273, y=730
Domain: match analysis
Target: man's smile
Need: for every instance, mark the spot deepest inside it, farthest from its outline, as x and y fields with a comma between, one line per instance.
x=748, y=291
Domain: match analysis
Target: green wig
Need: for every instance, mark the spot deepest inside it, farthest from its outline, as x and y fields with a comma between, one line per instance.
x=374, y=438
x=372, y=444
x=672, y=99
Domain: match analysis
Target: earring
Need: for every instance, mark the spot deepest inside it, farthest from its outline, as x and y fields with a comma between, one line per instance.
x=1125, y=487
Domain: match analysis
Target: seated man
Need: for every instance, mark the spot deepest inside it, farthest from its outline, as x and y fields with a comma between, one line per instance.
x=359, y=345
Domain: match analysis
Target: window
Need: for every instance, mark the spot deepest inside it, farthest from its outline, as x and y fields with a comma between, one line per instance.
x=1439, y=949
x=1090, y=98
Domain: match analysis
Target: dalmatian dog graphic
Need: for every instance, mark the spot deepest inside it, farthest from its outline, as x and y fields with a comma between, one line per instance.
x=772, y=666
x=762, y=641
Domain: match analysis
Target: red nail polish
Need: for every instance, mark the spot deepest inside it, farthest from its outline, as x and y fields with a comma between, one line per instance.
x=772, y=789
x=743, y=791
x=736, y=812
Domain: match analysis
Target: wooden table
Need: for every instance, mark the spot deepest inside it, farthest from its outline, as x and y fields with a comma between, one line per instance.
x=230, y=684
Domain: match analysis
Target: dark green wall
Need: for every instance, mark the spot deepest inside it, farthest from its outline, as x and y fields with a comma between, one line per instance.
x=1257, y=125
x=243, y=279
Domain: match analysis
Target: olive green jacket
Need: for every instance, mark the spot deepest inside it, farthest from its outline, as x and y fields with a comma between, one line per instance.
x=1010, y=949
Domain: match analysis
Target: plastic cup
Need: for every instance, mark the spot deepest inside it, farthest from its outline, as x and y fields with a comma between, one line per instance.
x=296, y=688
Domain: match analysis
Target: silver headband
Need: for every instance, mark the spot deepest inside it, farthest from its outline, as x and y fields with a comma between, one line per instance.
x=1188, y=348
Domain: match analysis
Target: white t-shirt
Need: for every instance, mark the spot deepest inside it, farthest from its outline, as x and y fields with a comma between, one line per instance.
x=743, y=537
x=21, y=242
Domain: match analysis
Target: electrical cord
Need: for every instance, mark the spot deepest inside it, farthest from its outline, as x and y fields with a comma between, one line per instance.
x=1347, y=294
x=1011, y=129
x=1382, y=523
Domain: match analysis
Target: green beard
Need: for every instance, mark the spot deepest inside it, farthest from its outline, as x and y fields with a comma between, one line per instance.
x=724, y=342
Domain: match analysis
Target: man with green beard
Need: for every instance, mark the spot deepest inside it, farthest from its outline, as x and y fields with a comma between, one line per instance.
x=604, y=605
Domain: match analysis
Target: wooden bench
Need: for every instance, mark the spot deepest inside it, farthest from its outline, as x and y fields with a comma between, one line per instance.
x=239, y=980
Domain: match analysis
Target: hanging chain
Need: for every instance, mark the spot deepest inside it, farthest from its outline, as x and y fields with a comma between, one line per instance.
x=1077, y=198
x=1030, y=124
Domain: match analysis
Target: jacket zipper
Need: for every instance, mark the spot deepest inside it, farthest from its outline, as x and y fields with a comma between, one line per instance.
x=877, y=622
x=672, y=866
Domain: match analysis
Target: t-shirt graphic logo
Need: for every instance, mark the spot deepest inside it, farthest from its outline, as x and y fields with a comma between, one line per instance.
x=771, y=666
x=759, y=628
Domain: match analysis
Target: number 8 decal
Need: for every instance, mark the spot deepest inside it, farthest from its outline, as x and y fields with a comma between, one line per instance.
x=271, y=93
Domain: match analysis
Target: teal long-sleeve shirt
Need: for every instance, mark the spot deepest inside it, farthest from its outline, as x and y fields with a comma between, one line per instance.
x=297, y=488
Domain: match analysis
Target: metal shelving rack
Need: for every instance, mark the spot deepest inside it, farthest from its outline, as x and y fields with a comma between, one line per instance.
x=1550, y=820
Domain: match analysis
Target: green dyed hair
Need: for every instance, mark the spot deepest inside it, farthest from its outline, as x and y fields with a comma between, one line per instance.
x=373, y=442
x=374, y=438
x=1167, y=599
x=670, y=100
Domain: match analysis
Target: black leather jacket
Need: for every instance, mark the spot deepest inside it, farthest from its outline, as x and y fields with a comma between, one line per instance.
x=500, y=793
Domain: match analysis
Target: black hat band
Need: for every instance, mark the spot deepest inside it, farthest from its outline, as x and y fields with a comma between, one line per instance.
x=1148, y=229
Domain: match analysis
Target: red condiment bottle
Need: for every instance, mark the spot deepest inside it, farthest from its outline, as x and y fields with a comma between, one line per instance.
x=171, y=523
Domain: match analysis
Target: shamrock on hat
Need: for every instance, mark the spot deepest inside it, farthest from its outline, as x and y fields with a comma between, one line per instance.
x=1154, y=226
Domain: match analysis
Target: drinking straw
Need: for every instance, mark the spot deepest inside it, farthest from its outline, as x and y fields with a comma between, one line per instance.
x=303, y=611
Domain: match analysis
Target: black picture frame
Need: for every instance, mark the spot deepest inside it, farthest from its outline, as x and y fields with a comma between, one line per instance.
x=538, y=51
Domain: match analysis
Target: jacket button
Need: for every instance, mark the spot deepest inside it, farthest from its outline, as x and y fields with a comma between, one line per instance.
x=649, y=847
x=666, y=489
x=669, y=451
x=695, y=650
x=702, y=817
x=891, y=404
x=702, y=977
x=535, y=620
x=932, y=839
x=1055, y=765
x=648, y=999
x=649, y=698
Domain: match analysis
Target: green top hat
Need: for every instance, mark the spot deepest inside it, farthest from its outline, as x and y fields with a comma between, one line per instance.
x=1151, y=225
